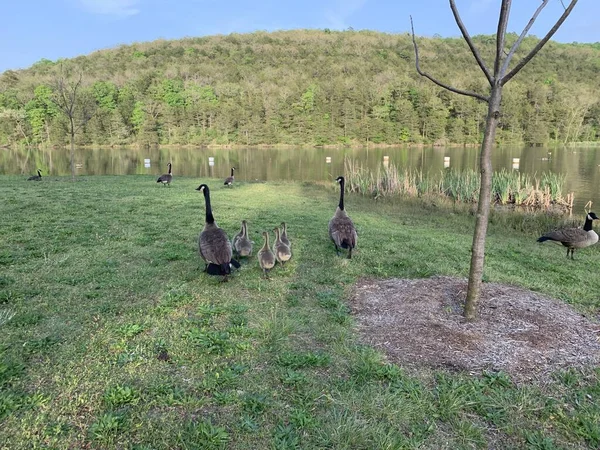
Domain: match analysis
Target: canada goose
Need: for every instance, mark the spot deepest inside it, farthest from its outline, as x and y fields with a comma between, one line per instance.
x=37, y=177
x=341, y=228
x=282, y=251
x=166, y=178
x=266, y=258
x=242, y=245
x=229, y=180
x=573, y=238
x=284, y=236
x=213, y=243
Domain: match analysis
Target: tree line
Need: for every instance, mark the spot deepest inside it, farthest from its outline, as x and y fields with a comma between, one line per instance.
x=302, y=87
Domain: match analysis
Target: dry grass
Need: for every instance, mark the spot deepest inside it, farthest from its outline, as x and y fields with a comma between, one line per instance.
x=508, y=187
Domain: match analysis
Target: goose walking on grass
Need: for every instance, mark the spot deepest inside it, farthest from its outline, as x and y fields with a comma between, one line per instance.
x=574, y=238
x=230, y=179
x=213, y=244
x=242, y=245
x=284, y=236
x=266, y=258
x=166, y=178
x=341, y=229
x=37, y=177
x=282, y=251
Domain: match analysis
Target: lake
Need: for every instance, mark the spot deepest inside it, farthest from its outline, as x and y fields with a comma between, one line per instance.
x=581, y=166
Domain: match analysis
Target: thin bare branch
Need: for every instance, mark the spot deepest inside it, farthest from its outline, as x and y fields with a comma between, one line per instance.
x=470, y=43
x=501, y=35
x=522, y=36
x=439, y=83
x=540, y=44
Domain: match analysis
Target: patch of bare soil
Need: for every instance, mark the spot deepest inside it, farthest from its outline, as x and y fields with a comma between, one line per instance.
x=419, y=323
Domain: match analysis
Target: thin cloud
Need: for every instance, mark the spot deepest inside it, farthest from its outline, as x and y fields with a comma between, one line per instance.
x=479, y=6
x=118, y=8
x=338, y=14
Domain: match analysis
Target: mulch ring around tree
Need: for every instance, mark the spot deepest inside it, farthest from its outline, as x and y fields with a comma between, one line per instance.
x=419, y=324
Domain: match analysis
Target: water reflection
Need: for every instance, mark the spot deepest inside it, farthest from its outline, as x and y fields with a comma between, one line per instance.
x=581, y=166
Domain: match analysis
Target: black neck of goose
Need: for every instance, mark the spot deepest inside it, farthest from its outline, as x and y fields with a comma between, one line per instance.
x=588, y=224
x=169, y=169
x=209, y=214
x=39, y=173
x=341, y=204
x=232, y=171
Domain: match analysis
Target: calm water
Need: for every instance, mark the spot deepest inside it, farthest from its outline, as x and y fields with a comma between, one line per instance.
x=581, y=166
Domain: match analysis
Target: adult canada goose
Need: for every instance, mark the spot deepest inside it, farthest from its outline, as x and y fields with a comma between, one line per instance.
x=229, y=180
x=573, y=238
x=266, y=258
x=166, y=178
x=284, y=236
x=242, y=245
x=37, y=177
x=341, y=229
x=213, y=243
x=282, y=251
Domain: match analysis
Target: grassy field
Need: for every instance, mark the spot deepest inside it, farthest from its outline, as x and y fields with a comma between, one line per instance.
x=118, y=340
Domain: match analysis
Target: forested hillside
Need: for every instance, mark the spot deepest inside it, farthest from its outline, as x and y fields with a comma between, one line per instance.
x=302, y=87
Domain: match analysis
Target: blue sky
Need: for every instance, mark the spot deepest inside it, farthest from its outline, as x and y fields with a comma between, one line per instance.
x=34, y=29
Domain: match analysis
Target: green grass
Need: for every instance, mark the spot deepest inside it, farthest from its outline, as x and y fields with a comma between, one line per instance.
x=113, y=338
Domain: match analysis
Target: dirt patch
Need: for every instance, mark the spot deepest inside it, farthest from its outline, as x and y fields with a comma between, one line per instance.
x=418, y=323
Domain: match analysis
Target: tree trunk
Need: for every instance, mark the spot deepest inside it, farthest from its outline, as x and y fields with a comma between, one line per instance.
x=72, y=137
x=483, y=206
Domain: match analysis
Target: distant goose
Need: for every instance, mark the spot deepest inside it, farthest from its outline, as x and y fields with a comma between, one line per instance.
x=573, y=238
x=266, y=258
x=213, y=243
x=282, y=251
x=284, y=236
x=230, y=179
x=37, y=177
x=166, y=178
x=341, y=229
x=242, y=245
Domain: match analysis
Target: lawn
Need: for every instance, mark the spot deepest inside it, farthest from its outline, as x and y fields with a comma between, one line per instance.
x=119, y=340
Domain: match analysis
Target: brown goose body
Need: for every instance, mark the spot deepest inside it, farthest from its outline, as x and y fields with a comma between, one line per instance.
x=37, y=177
x=282, y=251
x=341, y=228
x=213, y=244
x=230, y=179
x=266, y=258
x=574, y=238
x=284, y=236
x=166, y=178
x=242, y=245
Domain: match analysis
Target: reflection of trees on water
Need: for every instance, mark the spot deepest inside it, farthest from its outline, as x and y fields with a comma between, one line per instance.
x=580, y=165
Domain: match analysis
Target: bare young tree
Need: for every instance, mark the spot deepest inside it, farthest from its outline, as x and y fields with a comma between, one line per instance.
x=77, y=107
x=497, y=78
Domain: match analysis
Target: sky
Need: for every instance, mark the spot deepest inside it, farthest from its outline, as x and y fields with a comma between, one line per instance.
x=34, y=29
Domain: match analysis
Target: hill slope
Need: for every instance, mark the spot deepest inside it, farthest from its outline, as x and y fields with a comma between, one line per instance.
x=304, y=87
